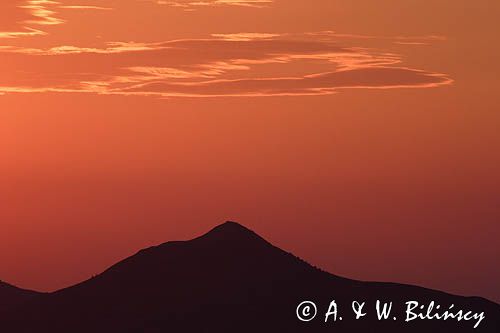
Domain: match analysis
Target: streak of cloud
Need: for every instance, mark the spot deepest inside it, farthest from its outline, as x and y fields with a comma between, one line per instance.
x=192, y=5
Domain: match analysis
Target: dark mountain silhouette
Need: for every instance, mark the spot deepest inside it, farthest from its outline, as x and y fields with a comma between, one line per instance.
x=11, y=296
x=228, y=280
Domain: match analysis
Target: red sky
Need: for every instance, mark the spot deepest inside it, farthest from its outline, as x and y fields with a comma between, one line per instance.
x=362, y=136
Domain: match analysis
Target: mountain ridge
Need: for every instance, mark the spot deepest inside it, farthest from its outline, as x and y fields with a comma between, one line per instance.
x=11, y=296
x=229, y=269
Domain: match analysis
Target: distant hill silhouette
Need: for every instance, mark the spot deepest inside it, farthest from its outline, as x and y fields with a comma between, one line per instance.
x=11, y=296
x=228, y=280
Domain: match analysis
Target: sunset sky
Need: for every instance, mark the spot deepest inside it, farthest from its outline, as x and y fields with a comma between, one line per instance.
x=361, y=135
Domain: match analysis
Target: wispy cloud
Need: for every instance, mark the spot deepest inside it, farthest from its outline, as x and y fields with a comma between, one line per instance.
x=242, y=64
x=26, y=18
x=85, y=7
x=222, y=64
x=27, y=32
x=42, y=12
x=192, y=5
x=245, y=36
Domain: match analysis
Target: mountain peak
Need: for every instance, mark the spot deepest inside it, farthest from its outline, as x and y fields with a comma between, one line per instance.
x=231, y=226
x=231, y=231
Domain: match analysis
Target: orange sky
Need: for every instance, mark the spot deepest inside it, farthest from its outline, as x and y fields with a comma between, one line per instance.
x=361, y=135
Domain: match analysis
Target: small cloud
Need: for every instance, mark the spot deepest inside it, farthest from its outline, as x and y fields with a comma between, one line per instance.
x=28, y=32
x=42, y=12
x=85, y=7
x=245, y=36
x=192, y=5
